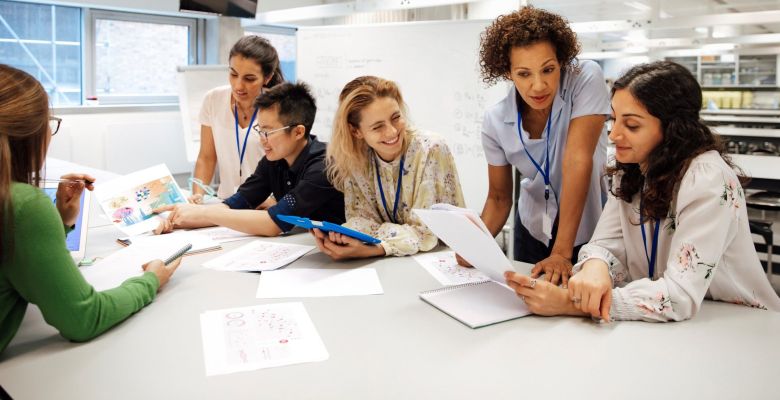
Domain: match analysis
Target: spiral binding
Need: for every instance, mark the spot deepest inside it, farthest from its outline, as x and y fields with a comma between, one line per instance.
x=448, y=288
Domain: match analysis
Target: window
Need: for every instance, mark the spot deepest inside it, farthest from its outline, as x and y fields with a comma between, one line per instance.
x=45, y=41
x=135, y=57
x=283, y=40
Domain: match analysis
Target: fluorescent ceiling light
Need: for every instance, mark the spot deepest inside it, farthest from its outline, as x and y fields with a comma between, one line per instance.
x=718, y=46
x=638, y=5
x=637, y=49
x=635, y=35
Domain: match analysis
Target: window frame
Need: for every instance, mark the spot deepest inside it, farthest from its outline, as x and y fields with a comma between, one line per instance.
x=90, y=17
x=52, y=77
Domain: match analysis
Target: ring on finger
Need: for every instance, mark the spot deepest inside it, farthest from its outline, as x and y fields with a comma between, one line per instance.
x=533, y=283
x=576, y=300
x=522, y=297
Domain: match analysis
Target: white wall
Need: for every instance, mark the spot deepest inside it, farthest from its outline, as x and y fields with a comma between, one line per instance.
x=615, y=67
x=121, y=142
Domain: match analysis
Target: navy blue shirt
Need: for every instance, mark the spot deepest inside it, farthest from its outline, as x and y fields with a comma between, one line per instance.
x=302, y=189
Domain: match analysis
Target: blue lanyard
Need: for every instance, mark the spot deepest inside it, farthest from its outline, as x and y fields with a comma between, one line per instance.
x=397, y=189
x=650, y=256
x=546, y=172
x=241, y=150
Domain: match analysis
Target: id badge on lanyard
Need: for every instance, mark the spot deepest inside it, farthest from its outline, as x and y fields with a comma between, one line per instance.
x=547, y=220
x=242, y=150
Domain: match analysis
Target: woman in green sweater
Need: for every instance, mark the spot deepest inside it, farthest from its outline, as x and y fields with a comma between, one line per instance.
x=35, y=265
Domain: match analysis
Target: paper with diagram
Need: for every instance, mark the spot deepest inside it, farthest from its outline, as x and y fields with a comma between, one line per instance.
x=222, y=235
x=467, y=238
x=259, y=255
x=443, y=266
x=262, y=336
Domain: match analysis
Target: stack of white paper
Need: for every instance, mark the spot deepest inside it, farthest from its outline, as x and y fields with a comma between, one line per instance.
x=200, y=242
x=304, y=282
x=259, y=256
x=126, y=263
x=249, y=338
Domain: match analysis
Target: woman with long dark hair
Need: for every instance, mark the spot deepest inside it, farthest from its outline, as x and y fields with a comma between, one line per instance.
x=228, y=114
x=675, y=228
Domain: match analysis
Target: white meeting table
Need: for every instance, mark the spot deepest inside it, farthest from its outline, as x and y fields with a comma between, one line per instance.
x=395, y=346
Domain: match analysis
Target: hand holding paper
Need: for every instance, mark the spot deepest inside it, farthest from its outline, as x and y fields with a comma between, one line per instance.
x=470, y=240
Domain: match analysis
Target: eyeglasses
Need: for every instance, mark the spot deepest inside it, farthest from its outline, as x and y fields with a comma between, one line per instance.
x=266, y=134
x=54, y=124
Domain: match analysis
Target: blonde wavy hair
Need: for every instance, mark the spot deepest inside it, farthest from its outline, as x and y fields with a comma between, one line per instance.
x=24, y=125
x=347, y=154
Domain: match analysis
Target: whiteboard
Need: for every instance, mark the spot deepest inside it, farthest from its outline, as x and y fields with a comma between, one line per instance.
x=194, y=82
x=436, y=65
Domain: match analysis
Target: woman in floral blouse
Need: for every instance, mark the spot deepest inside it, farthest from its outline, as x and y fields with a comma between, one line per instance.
x=675, y=229
x=385, y=170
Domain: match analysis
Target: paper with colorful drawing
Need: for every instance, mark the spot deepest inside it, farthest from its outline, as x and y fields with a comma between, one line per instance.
x=259, y=256
x=263, y=336
x=128, y=201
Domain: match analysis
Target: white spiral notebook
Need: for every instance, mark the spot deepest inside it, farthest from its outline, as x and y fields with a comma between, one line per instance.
x=477, y=304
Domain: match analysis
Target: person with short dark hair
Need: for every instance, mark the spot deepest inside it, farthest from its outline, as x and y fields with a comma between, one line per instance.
x=675, y=228
x=293, y=170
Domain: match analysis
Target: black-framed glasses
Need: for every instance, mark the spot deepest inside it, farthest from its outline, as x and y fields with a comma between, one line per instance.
x=266, y=134
x=54, y=124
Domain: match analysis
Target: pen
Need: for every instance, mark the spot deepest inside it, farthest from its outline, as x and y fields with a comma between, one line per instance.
x=85, y=181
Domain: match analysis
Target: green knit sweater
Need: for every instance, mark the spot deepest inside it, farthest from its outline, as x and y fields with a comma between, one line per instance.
x=41, y=271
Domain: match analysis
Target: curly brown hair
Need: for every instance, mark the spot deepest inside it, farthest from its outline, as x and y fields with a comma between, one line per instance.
x=670, y=93
x=524, y=27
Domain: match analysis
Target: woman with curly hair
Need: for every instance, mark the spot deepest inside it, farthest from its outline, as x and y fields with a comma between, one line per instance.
x=551, y=128
x=675, y=229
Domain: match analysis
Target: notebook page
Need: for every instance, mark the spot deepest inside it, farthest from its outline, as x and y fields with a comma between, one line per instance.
x=478, y=304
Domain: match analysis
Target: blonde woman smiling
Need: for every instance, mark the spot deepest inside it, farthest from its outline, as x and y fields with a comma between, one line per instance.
x=385, y=170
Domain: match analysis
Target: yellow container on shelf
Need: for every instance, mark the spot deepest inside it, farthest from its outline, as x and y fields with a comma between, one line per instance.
x=747, y=99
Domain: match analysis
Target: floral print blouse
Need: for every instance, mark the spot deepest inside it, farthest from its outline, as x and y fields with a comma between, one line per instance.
x=429, y=177
x=705, y=249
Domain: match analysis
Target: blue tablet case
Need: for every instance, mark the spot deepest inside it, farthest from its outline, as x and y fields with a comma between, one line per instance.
x=328, y=227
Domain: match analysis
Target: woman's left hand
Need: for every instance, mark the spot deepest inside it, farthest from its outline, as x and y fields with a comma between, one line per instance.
x=556, y=268
x=69, y=196
x=342, y=247
x=542, y=297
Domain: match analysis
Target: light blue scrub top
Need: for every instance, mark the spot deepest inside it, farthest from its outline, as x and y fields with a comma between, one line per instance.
x=580, y=93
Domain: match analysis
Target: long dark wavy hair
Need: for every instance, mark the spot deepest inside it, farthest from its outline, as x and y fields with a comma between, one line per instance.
x=670, y=93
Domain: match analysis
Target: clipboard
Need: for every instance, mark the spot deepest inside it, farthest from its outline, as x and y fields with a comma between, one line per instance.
x=328, y=227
